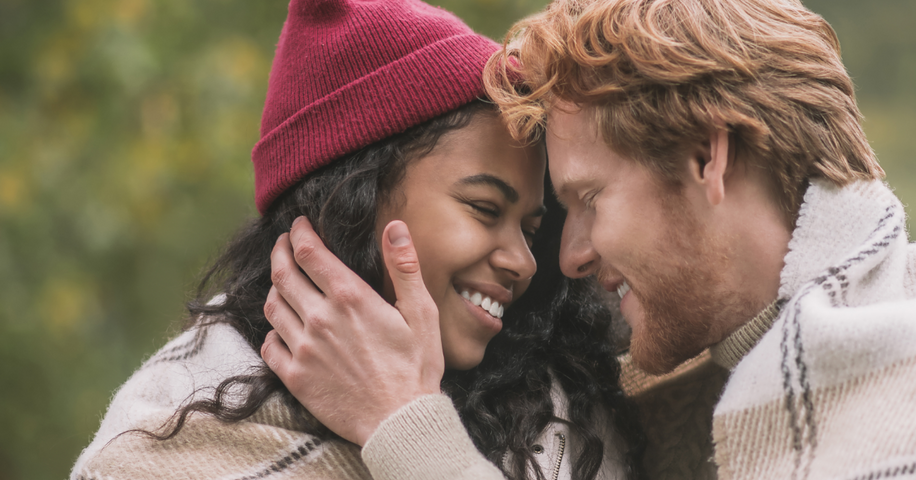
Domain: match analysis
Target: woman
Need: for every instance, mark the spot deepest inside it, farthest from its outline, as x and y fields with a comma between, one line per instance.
x=371, y=116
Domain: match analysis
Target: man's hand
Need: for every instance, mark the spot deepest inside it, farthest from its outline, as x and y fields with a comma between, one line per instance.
x=346, y=354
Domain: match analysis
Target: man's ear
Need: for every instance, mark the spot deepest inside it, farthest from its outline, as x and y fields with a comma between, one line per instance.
x=709, y=166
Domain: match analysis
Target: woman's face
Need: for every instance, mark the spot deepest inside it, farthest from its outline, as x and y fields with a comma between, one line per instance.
x=472, y=206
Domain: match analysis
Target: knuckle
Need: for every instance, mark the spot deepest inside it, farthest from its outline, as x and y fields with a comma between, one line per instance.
x=344, y=294
x=303, y=252
x=316, y=322
x=429, y=309
x=301, y=352
x=407, y=262
x=280, y=275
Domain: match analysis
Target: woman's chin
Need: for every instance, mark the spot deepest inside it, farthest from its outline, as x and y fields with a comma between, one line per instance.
x=465, y=360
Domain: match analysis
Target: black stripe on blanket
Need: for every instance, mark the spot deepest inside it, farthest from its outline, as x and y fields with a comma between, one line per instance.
x=809, y=427
x=182, y=351
x=890, y=472
x=833, y=282
x=284, y=463
x=276, y=467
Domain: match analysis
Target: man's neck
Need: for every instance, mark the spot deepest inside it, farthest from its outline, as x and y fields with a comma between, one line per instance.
x=759, y=236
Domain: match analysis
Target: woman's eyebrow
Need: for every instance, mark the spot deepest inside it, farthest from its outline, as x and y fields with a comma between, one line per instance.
x=486, y=179
x=510, y=193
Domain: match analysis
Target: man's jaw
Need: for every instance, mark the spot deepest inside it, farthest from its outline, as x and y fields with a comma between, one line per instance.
x=657, y=340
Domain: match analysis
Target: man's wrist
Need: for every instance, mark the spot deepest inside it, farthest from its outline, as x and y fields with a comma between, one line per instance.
x=423, y=439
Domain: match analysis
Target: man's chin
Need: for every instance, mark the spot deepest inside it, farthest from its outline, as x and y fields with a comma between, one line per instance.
x=657, y=361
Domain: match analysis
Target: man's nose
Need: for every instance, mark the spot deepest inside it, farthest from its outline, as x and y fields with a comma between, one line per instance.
x=577, y=256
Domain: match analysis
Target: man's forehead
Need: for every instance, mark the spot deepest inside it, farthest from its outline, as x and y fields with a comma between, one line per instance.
x=570, y=172
x=570, y=122
x=570, y=176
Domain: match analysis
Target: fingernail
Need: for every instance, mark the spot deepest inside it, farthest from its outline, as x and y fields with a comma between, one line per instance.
x=398, y=235
x=297, y=220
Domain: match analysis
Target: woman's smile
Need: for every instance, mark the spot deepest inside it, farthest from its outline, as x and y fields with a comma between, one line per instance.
x=489, y=297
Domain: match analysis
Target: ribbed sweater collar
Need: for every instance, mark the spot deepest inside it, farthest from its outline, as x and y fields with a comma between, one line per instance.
x=730, y=351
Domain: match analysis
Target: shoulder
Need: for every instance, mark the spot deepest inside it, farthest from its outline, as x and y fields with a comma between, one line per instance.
x=187, y=368
x=207, y=448
x=206, y=347
x=199, y=358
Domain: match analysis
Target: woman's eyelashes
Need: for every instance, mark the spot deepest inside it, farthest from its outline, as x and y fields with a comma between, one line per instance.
x=486, y=208
x=492, y=212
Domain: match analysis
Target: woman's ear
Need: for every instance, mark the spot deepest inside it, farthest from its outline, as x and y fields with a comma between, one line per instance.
x=709, y=165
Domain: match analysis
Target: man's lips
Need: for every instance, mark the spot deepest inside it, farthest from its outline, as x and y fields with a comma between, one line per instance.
x=610, y=284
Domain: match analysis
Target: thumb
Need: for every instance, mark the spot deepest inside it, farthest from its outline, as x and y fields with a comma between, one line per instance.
x=413, y=300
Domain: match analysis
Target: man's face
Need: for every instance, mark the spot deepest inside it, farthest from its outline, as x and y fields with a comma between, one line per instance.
x=640, y=237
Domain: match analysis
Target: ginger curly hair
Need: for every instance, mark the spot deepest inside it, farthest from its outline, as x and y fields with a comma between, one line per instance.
x=661, y=75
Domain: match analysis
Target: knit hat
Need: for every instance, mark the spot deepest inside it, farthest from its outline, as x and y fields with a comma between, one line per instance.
x=348, y=73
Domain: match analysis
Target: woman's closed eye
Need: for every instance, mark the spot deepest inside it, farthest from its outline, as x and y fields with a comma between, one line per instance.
x=485, y=208
x=492, y=211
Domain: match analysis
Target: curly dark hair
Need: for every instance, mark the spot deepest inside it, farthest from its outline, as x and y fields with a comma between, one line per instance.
x=559, y=327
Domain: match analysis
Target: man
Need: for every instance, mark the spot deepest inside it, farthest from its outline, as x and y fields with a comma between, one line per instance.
x=716, y=176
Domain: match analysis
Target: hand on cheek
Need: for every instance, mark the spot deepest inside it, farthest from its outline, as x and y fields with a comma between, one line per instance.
x=347, y=355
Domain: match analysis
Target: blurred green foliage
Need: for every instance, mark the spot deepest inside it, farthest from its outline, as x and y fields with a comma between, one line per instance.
x=125, y=133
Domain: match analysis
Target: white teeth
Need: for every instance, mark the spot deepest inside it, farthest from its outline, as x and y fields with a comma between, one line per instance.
x=623, y=289
x=476, y=298
x=491, y=306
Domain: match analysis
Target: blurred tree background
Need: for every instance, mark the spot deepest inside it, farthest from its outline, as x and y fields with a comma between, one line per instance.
x=125, y=133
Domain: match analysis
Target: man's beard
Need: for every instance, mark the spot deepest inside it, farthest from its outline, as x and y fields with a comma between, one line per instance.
x=683, y=293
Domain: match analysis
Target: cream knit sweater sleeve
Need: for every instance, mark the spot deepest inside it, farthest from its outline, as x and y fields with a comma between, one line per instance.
x=425, y=440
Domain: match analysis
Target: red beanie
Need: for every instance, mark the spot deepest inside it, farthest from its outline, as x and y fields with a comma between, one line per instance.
x=348, y=73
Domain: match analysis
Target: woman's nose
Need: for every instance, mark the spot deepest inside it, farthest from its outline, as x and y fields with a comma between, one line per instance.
x=515, y=257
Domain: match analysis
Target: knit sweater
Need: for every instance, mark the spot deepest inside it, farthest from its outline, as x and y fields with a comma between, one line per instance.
x=676, y=408
x=271, y=443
